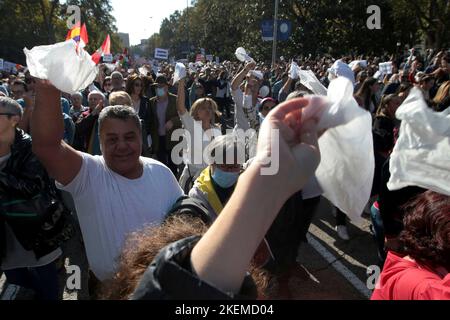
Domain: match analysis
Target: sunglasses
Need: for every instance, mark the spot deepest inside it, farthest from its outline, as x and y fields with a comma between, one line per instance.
x=9, y=114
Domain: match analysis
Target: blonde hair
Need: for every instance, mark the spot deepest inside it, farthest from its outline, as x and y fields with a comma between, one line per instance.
x=442, y=93
x=382, y=109
x=199, y=103
x=120, y=98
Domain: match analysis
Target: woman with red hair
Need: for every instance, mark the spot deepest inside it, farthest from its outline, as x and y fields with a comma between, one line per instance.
x=421, y=271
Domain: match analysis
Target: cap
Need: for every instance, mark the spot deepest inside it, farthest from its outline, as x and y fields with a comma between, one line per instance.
x=161, y=80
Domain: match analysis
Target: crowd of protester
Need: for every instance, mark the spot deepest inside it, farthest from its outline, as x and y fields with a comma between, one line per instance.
x=111, y=149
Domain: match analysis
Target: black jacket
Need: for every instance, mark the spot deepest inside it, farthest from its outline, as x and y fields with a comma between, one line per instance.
x=25, y=189
x=169, y=277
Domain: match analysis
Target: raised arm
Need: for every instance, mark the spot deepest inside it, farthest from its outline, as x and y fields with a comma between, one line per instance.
x=181, y=97
x=223, y=254
x=61, y=161
x=241, y=75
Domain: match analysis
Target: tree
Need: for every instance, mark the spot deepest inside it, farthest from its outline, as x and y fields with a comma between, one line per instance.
x=432, y=17
x=41, y=22
x=319, y=27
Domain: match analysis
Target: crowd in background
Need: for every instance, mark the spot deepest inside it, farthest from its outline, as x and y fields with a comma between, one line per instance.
x=216, y=97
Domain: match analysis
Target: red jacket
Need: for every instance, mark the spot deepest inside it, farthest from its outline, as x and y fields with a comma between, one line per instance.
x=403, y=279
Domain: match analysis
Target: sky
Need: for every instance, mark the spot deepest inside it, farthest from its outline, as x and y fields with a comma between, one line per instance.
x=142, y=18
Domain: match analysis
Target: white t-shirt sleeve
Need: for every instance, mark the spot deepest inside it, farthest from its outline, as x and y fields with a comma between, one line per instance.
x=241, y=120
x=81, y=182
x=188, y=122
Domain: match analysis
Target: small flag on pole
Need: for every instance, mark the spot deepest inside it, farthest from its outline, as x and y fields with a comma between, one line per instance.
x=105, y=49
x=78, y=34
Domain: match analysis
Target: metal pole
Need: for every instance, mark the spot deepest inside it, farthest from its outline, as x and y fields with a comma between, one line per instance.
x=187, y=26
x=275, y=34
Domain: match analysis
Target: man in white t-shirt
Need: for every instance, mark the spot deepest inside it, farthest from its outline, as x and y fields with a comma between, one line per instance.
x=115, y=194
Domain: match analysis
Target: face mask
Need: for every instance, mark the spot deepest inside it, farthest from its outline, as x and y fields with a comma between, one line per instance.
x=225, y=179
x=160, y=92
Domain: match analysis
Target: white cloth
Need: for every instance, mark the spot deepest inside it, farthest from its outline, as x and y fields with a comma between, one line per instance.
x=356, y=63
x=421, y=156
x=309, y=80
x=341, y=69
x=180, y=72
x=293, y=71
x=347, y=165
x=68, y=70
x=110, y=207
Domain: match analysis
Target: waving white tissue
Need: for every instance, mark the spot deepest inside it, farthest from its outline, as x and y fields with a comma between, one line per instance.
x=421, y=156
x=347, y=165
x=68, y=70
x=180, y=72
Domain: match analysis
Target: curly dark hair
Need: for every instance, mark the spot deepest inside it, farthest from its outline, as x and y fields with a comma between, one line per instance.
x=143, y=246
x=426, y=234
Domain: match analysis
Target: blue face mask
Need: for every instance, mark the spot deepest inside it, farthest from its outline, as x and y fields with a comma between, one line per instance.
x=160, y=92
x=225, y=179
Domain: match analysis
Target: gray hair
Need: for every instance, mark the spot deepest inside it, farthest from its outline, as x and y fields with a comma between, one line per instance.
x=11, y=106
x=116, y=73
x=77, y=94
x=97, y=93
x=226, y=149
x=118, y=112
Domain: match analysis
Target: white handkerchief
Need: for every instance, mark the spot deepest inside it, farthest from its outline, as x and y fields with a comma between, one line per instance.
x=68, y=70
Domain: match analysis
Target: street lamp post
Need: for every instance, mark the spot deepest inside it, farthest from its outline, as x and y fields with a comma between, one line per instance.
x=275, y=34
x=187, y=27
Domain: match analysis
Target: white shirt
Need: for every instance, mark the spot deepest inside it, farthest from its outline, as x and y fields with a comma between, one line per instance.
x=222, y=93
x=199, y=140
x=110, y=207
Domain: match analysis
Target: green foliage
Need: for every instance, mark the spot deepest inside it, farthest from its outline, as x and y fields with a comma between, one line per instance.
x=39, y=22
x=319, y=26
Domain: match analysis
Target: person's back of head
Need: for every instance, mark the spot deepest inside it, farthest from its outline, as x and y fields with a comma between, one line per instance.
x=142, y=248
x=426, y=233
x=120, y=98
x=10, y=109
x=442, y=93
